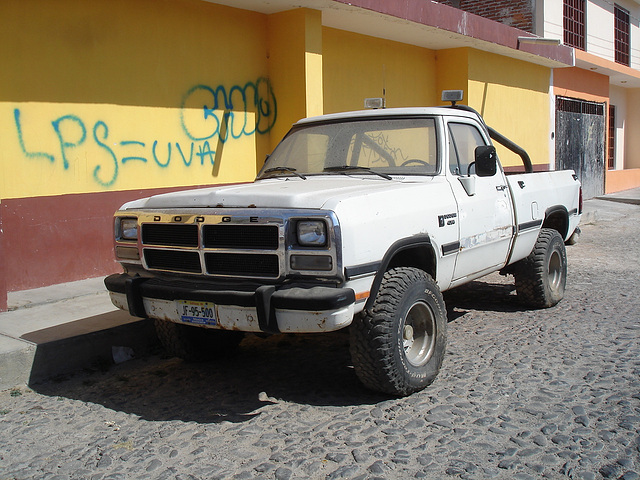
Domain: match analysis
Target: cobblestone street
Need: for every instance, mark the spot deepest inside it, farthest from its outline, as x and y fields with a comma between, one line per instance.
x=522, y=394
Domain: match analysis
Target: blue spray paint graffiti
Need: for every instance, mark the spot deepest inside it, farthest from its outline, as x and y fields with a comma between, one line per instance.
x=206, y=114
x=255, y=97
x=96, y=171
x=16, y=118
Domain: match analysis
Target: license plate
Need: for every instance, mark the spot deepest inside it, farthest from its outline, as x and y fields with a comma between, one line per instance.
x=198, y=313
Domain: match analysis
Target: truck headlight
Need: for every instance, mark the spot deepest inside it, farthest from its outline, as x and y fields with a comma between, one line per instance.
x=128, y=229
x=312, y=233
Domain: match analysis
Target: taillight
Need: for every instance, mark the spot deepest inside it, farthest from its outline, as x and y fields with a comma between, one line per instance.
x=580, y=202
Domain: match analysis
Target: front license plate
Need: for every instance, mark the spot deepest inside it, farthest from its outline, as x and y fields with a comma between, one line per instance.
x=198, y=313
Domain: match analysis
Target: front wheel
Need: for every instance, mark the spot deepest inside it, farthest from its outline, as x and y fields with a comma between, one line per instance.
x=542, y=276
x=398, y=346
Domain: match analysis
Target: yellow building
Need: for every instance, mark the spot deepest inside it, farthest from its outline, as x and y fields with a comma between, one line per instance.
x=105, y=101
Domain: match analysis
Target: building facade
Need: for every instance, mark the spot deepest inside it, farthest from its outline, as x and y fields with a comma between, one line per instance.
x=597, y=101
x=106, y=101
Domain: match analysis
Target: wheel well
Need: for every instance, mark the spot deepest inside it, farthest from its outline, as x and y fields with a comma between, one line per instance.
x=419, y=256
x=558, y=219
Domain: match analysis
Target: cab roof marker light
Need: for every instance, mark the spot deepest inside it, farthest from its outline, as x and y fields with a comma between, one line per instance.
x=452, y=96
x=375, y=103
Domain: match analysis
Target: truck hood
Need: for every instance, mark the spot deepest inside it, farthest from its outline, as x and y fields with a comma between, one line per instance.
x=316, y=192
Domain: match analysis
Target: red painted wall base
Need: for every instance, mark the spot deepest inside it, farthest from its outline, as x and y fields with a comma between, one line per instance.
x=57, y=239
x=3, y=281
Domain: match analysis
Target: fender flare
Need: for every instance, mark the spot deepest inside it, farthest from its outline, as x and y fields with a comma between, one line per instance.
x=422, y=241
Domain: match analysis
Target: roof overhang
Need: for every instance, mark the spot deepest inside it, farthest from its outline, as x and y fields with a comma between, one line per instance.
x=619, y=75
x=424, y=23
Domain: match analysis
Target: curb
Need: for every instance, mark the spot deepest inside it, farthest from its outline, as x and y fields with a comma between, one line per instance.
x=46, y=335
x=93, y=343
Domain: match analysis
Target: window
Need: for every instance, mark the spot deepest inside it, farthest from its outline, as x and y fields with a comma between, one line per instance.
x=575, y=105
x=621, y=29
x=573, y=23
x=611, y=148
x=391, y=146
x=463, y=140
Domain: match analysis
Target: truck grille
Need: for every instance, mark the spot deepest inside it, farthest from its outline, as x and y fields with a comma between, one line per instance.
x=257, y=237
x=173, y=261
x=170, y=235
x=242, y=264
x=254, y=249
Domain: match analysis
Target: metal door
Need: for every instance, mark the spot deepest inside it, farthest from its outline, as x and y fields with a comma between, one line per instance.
x=580, y=141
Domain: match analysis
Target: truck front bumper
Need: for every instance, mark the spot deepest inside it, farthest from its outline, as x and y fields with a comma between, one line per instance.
x=266, y=308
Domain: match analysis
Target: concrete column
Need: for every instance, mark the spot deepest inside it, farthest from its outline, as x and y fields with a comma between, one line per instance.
x=295, y=66
x=632, y=140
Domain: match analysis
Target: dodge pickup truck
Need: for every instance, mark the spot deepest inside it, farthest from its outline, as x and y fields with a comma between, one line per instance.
x=356, y=220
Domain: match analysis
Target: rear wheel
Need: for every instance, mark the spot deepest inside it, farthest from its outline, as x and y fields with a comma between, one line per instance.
x=542, y=276
x=398, y=346
x=196, y=344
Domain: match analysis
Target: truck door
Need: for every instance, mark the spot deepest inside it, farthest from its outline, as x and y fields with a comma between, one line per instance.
x=485, y=216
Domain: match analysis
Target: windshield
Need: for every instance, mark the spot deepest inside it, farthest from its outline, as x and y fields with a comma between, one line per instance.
x=380, y=146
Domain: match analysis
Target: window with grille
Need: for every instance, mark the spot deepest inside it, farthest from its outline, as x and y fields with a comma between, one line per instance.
x=622, y=35
x=574, y=23
x=611, y=147
x=575, y=105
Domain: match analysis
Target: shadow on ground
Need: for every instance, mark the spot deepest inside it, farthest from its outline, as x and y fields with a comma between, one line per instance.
x=494, y=293
x=311, y=369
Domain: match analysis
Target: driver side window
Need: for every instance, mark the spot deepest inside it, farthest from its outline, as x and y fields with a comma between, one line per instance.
x=463, y=140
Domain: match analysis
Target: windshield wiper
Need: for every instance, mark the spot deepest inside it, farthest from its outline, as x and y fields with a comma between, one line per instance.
x=345, y=168
x=284, y=169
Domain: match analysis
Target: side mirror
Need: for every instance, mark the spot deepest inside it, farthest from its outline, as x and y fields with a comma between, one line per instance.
x=486, y=161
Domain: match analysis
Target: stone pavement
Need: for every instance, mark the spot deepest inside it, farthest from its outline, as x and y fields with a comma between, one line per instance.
x=522, y=394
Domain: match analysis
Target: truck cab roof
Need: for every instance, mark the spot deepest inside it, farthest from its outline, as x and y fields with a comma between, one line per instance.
x=388, y=112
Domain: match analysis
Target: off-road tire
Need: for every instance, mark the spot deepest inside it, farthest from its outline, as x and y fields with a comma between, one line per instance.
x=398, y=346
x=542, y=276
x=196, y=344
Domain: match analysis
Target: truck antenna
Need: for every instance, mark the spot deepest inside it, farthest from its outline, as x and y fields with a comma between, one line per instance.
x=384, y=85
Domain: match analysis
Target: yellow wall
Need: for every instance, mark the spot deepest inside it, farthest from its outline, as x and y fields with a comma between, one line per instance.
x=358, y=67
x=500, y=88
x=117, y=94
x=453, y=72
x=511, y=95
x=295, y=66
x=513, y=98
x=112, y=95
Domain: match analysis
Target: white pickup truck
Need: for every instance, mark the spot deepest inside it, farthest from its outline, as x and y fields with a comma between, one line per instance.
x=357, y=220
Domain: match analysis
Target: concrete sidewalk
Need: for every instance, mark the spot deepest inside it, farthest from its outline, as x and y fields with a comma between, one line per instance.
x=56, y=330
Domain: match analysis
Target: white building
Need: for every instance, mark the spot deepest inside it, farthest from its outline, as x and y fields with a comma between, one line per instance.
x=597, y=102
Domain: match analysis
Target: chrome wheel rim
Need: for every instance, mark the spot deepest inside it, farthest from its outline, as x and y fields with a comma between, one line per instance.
x=555, y=271
x=419, y=334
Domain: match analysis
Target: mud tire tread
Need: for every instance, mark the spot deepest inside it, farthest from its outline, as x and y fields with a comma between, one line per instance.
x=373, y=335
x=531, y=273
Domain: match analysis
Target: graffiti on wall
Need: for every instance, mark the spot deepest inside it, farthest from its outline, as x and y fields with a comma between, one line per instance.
x=209, y=117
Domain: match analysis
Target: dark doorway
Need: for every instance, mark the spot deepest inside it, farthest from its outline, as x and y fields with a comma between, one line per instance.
x=580, y=142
